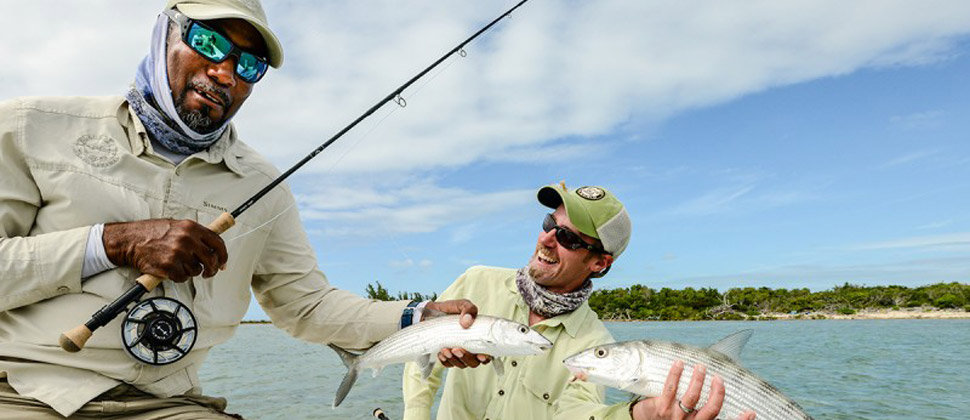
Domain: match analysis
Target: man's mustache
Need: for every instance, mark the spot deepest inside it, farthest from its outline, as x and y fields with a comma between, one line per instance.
x=212, y=90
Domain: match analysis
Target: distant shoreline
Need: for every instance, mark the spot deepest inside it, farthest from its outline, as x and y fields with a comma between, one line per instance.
x=909, y=313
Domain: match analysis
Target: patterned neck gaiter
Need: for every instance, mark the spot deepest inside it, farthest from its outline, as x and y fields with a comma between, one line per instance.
x=159, y=117
x=546, y=303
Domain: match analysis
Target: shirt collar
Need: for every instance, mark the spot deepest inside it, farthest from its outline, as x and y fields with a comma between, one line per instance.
x=223, y=150
x=572, y=322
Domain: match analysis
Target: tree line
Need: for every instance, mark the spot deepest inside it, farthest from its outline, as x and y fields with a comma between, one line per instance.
x=640, y=302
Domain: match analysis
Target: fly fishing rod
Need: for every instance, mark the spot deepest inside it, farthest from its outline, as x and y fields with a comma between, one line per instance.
x=158, y=332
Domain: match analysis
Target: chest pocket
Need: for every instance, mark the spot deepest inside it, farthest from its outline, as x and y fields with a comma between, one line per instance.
x=545, y=381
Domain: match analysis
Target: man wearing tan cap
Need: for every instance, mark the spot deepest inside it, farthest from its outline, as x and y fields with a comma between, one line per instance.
x=587, y=231
x=97, y=191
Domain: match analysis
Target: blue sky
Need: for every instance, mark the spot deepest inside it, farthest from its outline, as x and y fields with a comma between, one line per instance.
x=780, y=144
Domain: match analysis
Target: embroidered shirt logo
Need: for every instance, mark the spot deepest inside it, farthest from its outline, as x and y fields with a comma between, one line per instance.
x=98, y=151
x=591, y=193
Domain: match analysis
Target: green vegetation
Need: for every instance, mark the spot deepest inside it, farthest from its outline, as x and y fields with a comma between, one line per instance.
x=380, y=293
x=641, y=302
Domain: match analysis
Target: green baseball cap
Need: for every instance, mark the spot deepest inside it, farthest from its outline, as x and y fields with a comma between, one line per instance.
x=249, y=10
x=594, y=211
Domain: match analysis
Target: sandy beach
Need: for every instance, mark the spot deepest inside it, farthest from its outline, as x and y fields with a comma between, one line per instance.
x=903, y=313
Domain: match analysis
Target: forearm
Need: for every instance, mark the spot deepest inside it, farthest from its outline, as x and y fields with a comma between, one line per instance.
x=307, y=307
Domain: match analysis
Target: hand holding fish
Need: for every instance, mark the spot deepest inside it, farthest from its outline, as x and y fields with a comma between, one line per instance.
x=666, y=406
x=463, y=307
x=458, y=357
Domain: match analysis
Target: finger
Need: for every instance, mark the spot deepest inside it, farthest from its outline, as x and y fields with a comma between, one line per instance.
x=209, y=261
x=484, y=358
x=712, y=407
x=457, y=360
x=747, y=415
x=669, y=393
x=469, y=359
x=693, y=394
x=446, y=362
x=217, y=245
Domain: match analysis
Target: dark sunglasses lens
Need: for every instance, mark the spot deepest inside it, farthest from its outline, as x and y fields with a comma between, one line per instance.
x=210, y=44
x=568, y=239
x=548, y=223
x=250, y=68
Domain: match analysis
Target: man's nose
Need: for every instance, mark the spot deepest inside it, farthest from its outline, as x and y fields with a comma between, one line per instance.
x=223, y=73
x=548, y=238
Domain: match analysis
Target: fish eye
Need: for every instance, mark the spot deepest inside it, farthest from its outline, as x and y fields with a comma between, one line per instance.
x=601, y=353
x=523, y=329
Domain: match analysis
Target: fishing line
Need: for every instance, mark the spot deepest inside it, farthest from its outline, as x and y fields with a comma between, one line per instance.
x=402, y=103
x=164, y=325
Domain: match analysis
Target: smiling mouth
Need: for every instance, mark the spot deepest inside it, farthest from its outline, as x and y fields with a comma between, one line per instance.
x=543, y=255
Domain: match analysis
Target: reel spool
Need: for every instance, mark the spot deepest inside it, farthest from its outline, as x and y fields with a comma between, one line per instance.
x=159, y=331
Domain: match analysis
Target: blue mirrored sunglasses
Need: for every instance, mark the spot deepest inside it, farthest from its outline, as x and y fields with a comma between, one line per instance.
x=216, y=48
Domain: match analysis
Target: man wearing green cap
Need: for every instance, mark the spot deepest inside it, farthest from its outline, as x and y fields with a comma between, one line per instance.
x=97, y=191
x=587, y=231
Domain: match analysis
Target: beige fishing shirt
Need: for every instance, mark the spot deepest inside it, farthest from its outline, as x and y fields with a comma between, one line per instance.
x=69, y=163
x=533, y=387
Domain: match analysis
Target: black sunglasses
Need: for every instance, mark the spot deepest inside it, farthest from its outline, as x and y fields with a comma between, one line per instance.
x=567, y=238
x=216, y=47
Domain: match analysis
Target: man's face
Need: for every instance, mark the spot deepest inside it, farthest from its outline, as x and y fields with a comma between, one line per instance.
x=207, y=94
x=560, y=269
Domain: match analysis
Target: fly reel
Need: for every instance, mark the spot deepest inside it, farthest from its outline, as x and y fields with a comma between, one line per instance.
x=159, y=331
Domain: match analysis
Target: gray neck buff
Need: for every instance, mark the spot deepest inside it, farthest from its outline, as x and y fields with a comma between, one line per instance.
x=546, y=303
x=151, y=100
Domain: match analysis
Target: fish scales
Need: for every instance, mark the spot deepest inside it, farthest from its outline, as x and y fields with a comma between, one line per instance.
x=641, y=367
x=744, y=391
x=426, y=337
x=420, y=342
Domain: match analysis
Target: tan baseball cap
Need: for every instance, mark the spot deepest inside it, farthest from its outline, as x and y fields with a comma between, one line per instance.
x=249, y=10
x=594, y=211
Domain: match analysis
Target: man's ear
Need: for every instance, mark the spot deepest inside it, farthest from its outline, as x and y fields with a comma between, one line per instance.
x=600, y=263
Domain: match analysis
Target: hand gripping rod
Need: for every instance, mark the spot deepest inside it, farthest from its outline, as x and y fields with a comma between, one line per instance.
x=74, y=339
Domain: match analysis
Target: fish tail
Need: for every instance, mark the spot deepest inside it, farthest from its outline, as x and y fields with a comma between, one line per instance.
x=350, y=361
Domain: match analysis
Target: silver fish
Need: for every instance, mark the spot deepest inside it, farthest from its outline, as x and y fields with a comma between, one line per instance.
x=421, y=343
x=641, y=367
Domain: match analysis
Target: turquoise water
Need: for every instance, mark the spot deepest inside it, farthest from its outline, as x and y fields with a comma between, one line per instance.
x=861, y=369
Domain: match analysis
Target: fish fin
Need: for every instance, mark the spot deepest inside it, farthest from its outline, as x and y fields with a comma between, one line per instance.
x=350, y=361
x=732, y=345
x=428, y=313
x=426, y=363
x=498, y=366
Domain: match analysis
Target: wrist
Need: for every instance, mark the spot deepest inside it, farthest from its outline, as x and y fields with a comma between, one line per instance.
x=407, y=315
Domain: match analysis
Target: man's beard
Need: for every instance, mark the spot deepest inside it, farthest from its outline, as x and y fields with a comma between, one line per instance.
x=198, y=120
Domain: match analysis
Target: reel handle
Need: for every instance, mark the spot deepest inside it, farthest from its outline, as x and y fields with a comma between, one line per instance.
x=73, y=340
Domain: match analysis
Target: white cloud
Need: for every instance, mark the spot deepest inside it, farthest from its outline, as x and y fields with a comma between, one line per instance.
x=909, y=158
x=402, y=206
x=952, y=241
x=924, y=119
x=555, y=70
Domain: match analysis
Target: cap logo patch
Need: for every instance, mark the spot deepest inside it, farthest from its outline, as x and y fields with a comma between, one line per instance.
x=591, y=193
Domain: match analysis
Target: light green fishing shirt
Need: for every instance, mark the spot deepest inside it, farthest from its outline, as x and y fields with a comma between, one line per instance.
x=533, y=387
